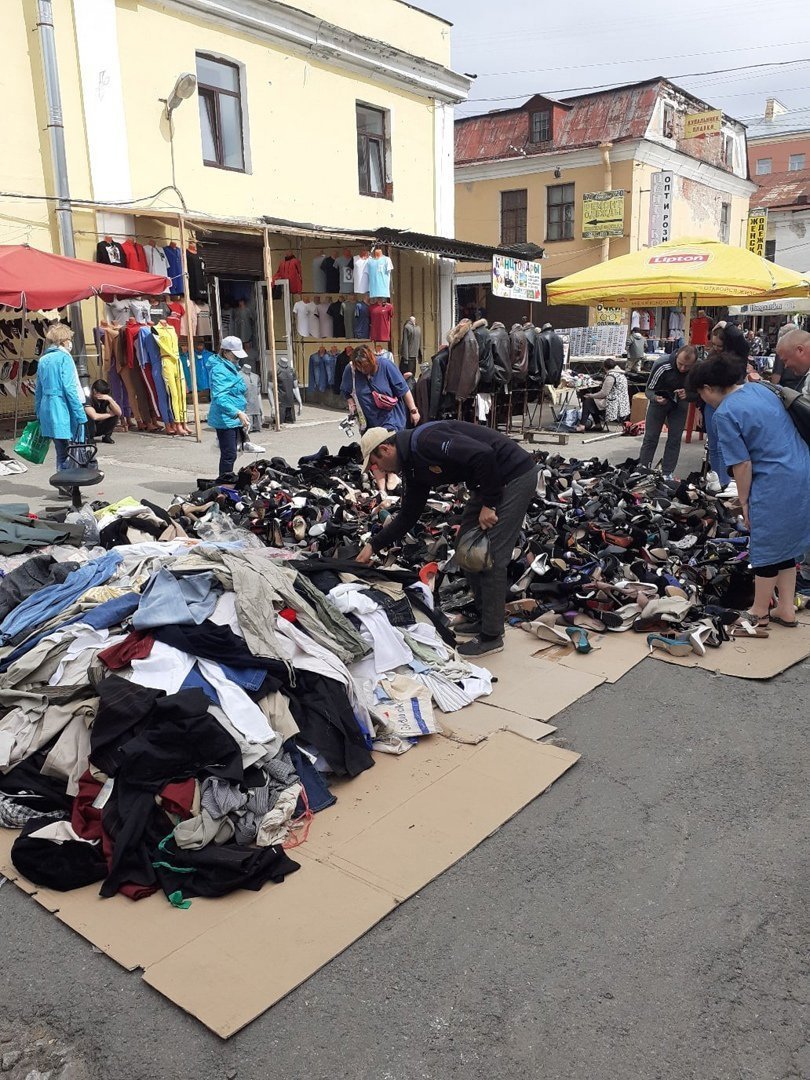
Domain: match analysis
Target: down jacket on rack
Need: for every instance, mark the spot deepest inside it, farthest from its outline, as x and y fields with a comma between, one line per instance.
x=501, y=355
x=461, y=378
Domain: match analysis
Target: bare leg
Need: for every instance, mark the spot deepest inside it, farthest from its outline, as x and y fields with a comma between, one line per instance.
x=763, y=594
x=786, y=589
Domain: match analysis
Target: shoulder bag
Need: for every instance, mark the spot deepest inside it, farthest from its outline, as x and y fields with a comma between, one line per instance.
x=798, y=408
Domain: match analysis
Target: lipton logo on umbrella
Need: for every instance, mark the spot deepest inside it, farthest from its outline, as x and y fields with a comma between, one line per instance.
x=679, y=260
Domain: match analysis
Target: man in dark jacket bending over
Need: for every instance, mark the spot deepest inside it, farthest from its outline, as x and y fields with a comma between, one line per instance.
x=502, y=479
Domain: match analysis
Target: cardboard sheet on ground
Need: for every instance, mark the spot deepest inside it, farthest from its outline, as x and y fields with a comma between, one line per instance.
x=392, y=831
x=615, y=656
x=751, y=658
x=478, y=721
x=532, y=686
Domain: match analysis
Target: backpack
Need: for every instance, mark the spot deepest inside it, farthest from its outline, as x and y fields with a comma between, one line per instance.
x=798, y=408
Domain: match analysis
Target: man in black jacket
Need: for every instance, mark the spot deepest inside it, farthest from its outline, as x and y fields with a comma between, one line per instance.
x=667, y=394
x=502, y=479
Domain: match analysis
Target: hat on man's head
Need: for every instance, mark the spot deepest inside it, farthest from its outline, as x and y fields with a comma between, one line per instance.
x=234, y=345
x=547, y=326
x=374, y=437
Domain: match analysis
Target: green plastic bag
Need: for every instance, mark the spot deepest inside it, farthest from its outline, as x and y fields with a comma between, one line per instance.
x=32, y=444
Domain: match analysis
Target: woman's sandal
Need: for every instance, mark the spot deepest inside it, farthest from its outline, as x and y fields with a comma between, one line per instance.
x=675, y=645
x=752, y=625
x=784, y=622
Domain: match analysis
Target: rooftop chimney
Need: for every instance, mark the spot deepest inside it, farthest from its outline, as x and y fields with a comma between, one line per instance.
x=774, y=108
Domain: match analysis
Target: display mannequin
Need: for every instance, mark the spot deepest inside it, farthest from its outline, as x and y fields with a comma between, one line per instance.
x=156, y=260
x=289, y=269
x=345, y=264
x=410, y=349
x=195, y=265
x=135, y=255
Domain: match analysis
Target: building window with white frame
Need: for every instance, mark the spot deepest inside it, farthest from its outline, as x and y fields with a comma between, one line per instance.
x=728, y=151
x=560, y=212
x=374, y=152
x=763, y=166
x=725, y=222
x=219, y=94
x=796, y=162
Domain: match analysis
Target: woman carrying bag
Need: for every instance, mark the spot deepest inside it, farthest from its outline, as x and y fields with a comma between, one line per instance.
x=58, y=402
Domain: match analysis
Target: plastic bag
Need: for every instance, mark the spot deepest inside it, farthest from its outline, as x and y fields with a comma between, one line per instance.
x=217, y=527
x=85, y=516
x=473, y=553
x=32, y=444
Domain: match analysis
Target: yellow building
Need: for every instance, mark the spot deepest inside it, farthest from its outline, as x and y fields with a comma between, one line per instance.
x=529, y=174
x=301, y=132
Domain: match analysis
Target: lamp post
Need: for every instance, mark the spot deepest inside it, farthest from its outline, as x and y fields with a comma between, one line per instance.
x=183, y=88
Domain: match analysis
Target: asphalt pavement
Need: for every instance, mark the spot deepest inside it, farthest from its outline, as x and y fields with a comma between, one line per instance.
x=644, y=919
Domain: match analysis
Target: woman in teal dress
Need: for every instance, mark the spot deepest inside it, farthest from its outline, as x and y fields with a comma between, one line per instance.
x=770, y=463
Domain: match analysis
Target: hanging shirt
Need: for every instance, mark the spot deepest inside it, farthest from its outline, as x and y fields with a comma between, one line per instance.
x=118, y=311
x=346, y=280
x=314, y=320
x=175, y=261
x=379, y=276
x=135, y=256
x=156, y=260
x=360, y=274
x=699, y=330
x=362, y=320
x=318, y=276
x=140, y=310
x=301, y=313
x=335, y=310
x=332, y=273
x=196, y=277
x=110, y=253
x=348, y=317
x=325, y=321
x=676, y=322
x=290, y=270
x=381, y=322
x=644, y=324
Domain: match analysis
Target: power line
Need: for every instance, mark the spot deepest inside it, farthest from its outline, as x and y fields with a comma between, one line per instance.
x=671, y=78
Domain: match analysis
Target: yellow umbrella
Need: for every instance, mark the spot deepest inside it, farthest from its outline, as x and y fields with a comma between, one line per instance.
x=683, y=272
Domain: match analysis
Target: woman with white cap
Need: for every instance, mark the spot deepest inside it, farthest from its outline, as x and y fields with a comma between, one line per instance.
x=227, y=415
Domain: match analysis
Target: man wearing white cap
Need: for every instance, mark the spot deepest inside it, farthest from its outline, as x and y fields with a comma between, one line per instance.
x=501, y=477
x=226, y=414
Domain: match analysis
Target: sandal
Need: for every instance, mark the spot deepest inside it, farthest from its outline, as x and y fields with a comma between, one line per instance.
x=752, y=629
x=784, y=622
x=674, y=644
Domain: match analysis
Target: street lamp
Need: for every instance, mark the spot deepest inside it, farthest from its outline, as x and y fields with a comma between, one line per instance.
x=184, y=87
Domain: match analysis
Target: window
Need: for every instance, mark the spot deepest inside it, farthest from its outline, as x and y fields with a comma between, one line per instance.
x=796, y=162
x=725, y=222
x=668, y=123
x=770, y=250
x=220, y=100
x=560, y=212
x=541, y=126
x=728, y=150
x=373, y=152
x=513, y=217
x=764, y=166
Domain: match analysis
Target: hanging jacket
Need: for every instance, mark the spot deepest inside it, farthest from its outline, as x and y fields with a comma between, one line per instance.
x=555, y=356
x=519, y=349
x=290, y=268
x=410, y=348
x=486, y=364
x=438, y=369
x=501, y=354
x=59, y=408
x=537, y=367
x=461, y=377
x=227, y=393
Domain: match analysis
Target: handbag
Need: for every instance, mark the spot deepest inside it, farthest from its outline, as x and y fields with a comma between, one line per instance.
x=82, y=454
x=384, y=402
x=32, y=444
x=798, y=408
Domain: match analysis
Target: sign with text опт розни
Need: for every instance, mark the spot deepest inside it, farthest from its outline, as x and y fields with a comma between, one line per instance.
x=516, y=279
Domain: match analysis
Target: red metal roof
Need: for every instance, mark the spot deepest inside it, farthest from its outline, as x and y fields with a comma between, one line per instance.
x=782, y=189
x=606, y=116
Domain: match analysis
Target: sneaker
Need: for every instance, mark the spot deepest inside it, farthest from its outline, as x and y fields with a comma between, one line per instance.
x=729, y=491
x=477, y=647
x=468, y=626
x=252, y=448
x=108, y=439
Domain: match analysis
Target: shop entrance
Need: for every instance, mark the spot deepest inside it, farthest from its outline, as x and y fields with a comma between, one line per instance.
x=240, y=309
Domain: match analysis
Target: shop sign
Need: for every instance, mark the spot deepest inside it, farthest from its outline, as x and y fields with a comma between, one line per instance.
x=757, y=231
x=608, y=316
x=603, y=214
x=661, y=187
x=695, y=125
x=517, y=279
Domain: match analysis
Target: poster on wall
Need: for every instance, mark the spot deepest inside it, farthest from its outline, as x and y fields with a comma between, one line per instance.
x=757, y=231
x=609, y=316
x=603, y=214
x=661, y=188
x=516, y=279
x=695, y=125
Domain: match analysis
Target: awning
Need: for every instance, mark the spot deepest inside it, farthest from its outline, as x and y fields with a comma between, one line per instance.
x=445, y=246
x=790, y=305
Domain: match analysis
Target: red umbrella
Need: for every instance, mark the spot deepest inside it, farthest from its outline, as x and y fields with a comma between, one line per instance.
x=39, y=281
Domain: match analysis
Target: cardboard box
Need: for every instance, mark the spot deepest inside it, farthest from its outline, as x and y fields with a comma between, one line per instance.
x=638, y=408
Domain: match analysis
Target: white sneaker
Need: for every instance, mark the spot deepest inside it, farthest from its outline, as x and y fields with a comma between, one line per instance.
x=712, y=482
x=729, y=491
x=252, y=448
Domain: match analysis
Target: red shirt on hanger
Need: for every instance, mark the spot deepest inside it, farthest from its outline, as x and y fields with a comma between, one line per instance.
x=177, y=313
x=136, y=256
x=381, y=321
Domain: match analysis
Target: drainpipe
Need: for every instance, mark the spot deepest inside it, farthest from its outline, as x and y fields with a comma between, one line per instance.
x=607, y=185
x=56, y=133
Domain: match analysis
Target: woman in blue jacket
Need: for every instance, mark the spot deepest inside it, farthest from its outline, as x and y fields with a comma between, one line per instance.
x=59, y=407
x=226, y=414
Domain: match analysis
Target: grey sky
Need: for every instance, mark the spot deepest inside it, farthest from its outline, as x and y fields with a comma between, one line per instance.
x=553, y=47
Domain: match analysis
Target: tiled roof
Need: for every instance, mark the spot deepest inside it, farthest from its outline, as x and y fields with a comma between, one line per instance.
x=782, y=189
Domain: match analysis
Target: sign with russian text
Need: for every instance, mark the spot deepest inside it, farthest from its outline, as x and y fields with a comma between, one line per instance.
x=603, y=214
x=757, y=231
x=516, y=279
x=696, y=125
x=608, y=316
x=661, y=188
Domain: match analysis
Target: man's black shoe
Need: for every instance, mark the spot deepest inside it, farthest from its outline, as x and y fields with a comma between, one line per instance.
x=478, y=647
